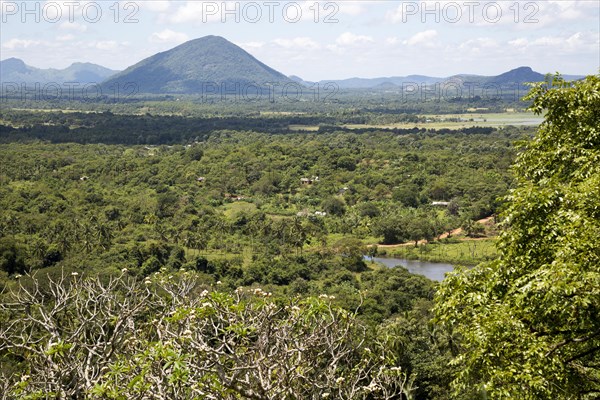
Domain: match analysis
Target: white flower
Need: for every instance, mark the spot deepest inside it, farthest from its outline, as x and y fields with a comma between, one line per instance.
x=325, y=395
x=339, y=380
x=124, y=270
x=219, y=282
x=204, y=293
x=148, y=282
x=74, y=273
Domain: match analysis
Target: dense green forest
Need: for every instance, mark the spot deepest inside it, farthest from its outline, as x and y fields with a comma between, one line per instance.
x=221, y=256
x=247, y=196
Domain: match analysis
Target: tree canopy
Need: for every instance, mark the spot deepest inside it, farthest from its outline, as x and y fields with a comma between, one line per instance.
x=529, y=321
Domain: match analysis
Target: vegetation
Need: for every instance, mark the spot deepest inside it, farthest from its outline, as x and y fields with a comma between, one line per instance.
x=167, y=338
x=529, y=321
x=99, y=207
x=457, y=252
x=193, y=253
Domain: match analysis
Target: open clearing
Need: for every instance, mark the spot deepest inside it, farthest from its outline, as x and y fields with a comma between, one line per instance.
x=447, y=121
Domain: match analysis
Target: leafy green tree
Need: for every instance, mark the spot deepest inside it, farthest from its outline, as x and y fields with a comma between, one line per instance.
x=529, y=320
x=334, y=206
x=407, y=195
x=472, y=228
x=419, y=227
x=368, y=210
x=12, y=256
x=346, y=162
x=352, y=252
x=392, y=226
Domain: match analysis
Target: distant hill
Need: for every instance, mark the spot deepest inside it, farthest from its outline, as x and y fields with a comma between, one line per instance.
x=199, y=66
x=15, y=70
x=399, y=81
x=519, y=76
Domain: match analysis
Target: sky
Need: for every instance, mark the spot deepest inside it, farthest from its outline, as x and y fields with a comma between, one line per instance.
x=315, y=40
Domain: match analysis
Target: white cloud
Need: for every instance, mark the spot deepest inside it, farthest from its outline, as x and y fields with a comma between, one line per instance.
x=548, y=41
x=568, y=9
x=395, y=16
x=73, y=26
x=575, y=42
x=251, y=45
x=350, y=39
x=392, y=40
x=519, y=42
x=483, y=42
x=299, y=42
x=65, y=38
x=106, y=45
x=422, y=38
x=14, y=44
x=168, y=36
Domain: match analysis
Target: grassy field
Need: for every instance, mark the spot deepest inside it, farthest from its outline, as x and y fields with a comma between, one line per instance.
x=467, y=252
x=460, y=121
x=307, y=128
x=448, y=121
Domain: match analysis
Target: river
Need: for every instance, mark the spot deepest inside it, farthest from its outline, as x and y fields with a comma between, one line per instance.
x=432, y=270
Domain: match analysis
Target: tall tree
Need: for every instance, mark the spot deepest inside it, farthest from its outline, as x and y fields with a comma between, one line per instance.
x=530, y=319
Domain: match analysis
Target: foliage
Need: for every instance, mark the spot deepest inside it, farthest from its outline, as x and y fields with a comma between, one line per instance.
x=166, y=338
x=163, y=187
x=238, y=194
x=453, y=251
x=529, y=321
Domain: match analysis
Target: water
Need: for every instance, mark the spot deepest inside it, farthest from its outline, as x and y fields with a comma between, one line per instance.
x=432, y=270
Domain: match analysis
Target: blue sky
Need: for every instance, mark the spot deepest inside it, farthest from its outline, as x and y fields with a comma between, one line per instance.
x=315, y=40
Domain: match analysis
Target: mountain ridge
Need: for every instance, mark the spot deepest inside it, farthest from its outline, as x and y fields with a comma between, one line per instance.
x=15, y=70
x=213, y=64
x=519, y=75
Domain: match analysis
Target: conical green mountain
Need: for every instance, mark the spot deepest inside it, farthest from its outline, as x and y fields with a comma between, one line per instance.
x=198, y=66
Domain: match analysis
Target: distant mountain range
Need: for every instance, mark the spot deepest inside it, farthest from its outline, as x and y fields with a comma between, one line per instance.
x=369, y=83
x=15, y=70
x=213, y=64
x=519, y=76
